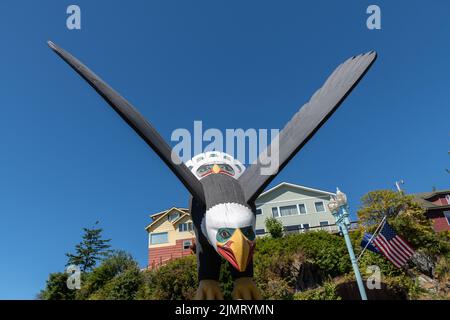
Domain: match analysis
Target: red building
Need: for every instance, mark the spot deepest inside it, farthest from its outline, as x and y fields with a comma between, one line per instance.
x=437, y=206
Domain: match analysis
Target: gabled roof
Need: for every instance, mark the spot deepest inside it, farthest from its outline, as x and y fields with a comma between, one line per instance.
x=296, y=186
x=180, y=218
x=429, y=195
x=423, y=198
x=163, y=214
x=165, y=211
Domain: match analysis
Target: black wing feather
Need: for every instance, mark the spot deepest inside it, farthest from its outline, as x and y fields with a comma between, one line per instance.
x=142, y=127
x=307, y=121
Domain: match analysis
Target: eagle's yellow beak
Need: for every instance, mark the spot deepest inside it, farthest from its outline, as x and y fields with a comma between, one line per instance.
x=237, y=250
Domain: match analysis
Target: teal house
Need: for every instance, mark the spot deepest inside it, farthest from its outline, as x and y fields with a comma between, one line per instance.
x=299, y=208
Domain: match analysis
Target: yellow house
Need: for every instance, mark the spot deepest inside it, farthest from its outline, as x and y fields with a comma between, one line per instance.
x=170, y=235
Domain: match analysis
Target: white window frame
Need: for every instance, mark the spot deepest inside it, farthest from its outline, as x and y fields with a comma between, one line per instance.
x=447, y=216
x=184, y=244
x=327, y=227
x=323, y=205
x=171, y=214
x=288, y=205
x=158, y=233
x=186, y=227
x=298, y=208
x=278, y=212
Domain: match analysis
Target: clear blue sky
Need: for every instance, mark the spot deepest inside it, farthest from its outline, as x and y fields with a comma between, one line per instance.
x=67, y=160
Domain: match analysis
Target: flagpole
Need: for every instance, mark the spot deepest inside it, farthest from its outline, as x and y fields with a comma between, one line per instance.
x=373, y=236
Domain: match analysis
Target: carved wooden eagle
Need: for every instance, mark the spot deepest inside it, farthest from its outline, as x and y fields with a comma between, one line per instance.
x=223, y=192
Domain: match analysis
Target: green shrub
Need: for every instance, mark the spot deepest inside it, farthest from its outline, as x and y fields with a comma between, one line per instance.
x=274, y=227
x=118, y=268
x=56, y=288
x=177, y=280
x=326, y=292
x=325, y=250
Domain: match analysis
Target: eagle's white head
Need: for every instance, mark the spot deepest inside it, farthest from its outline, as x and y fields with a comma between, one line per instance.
x=229, y=228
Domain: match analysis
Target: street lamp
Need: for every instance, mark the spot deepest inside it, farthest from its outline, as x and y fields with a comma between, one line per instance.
x=339, y=208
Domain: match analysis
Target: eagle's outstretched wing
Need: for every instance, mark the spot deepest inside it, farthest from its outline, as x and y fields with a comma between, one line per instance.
x=306, y=122
x=136, y=121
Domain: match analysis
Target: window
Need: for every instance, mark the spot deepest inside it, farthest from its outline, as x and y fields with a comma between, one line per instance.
x=306, y=226
x=259, y=231
x=187, y=244
x=447, y=216
x=275, y=212
x=319, y=206
x=258, y=211
x=157, y=238
x=302, y=208
x=447, y=197
x=173, y=216
x=293, y=228
x=288, y=210
x=185, y=227
x=324, y=223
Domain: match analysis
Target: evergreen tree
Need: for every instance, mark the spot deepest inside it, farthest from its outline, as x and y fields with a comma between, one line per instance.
x=90, y=250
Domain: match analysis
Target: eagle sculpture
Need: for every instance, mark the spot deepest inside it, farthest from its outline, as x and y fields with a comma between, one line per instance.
x=223, y=191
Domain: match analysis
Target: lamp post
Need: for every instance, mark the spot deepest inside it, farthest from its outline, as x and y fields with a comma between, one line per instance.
x=339, y=208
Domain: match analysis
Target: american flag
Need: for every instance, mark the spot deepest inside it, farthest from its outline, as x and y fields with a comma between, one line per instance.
x=392, y=246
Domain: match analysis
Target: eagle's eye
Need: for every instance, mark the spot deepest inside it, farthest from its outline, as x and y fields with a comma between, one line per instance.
x=223, y=234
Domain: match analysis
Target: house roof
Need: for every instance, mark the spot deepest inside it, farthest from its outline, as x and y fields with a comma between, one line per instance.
x=163, y=214
x=423, y=199
x=296, y=186
x=180, y=218
x=165, y=211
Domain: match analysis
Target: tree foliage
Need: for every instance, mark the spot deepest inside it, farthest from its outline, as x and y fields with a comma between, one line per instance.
x=296, y=266
x=274, y=227
x=91, y=249
x=377, y=204
x=174, y=281
x=56, y=288
x=117, y=277
x=406, y=216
